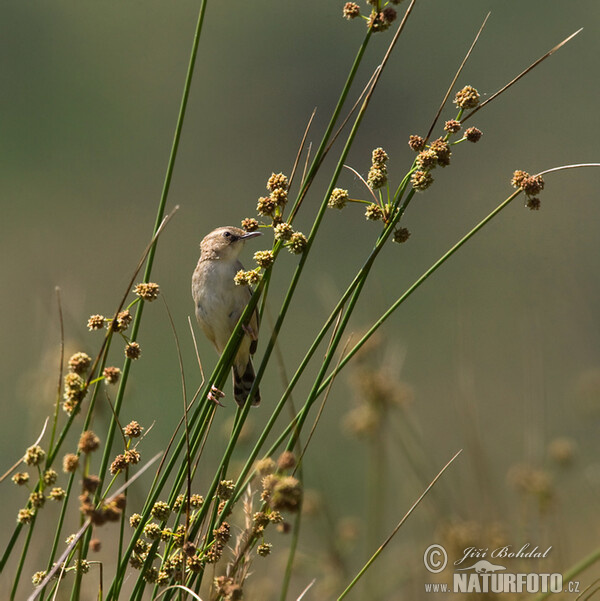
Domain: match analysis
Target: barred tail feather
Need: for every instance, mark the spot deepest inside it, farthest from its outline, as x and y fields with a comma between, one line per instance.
x=242, y=385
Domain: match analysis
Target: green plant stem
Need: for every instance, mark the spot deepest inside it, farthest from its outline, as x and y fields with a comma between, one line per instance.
x=150, y=258
x=59, y=525
x=577, y=569
x=13, y=592
x=287, y=575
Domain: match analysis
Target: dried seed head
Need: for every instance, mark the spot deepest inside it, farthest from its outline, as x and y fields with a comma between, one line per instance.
x=132, y=456
x=416, y=143
x=57, y=494
x=75, y=388
x=421, y=180
x=277, y=180
x=377, y=177
x=264, y=258
x=518, y=178
x=95, y=322
x=532, y=185
x=123, y=321
x=442, y=151
x=161, y=510
x=152, y=531
x=70, y=463
x=562, y=450
x=133, y=351
x=34, y=455
x=467, y=98
x=196, y=501
x=111, y=375
x=473, y=134
x=373, y=212
x=223, y=533
x=279, y=196
x=225, y=489
x=380, y=21
x=135, y=520
x=286, y=494
x=20, y=478
x=88, y=442
x=533, y=203
x=37, y=499
x=338, y=199
x=351, y=10
x=25, y=516
x=133, y=430
x=283, y=231
x=250, y=224
x=50, y=477
x=264, y=549
x=266, y=206
x=265, y=466
x=452, y=126
x=247, y=278
x=119, y=463
x=401, y=235
x=95, y=545
x=297, y=243
x=79, y=363
x=427, y=159
x=147, y=291
x=91, y=483
x=286, y=461
x=379, y=156
x=38, y=577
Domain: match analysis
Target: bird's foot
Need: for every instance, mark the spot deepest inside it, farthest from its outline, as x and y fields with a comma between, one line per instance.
x=215, y=395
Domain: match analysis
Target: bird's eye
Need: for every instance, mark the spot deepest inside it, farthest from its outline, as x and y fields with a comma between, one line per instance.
x=227, y=234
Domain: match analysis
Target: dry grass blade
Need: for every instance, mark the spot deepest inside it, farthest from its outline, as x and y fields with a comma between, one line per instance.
x=306, y=590
x=18, y=463
x=362, y=179
x=301, y=148
x=564, y=167
x=522, y=74
x=458, y=72
x=400, y=524
x=180, y=587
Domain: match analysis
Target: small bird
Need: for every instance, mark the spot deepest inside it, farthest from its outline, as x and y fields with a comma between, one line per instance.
x=220, y=302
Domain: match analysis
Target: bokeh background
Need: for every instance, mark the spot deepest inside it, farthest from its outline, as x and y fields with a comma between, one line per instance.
x=498, y=354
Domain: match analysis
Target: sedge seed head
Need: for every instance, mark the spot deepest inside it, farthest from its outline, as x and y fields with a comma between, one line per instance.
x=421, y=180
x=79, y=363
x=297, y=243
x=351, y=10
x=147, y=291
x=250, y=224
x=473, y=134
x=416, y=143
x=338, y=199
x=88, y=442
x=467, y=98
x=95, y=322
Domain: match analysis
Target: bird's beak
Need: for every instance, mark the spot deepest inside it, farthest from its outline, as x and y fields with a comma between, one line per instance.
x=249, y=235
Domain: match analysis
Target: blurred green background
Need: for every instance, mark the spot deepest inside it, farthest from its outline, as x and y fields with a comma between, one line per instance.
x=501, y=348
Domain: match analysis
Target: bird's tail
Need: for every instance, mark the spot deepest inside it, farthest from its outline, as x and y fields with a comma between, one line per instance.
x=242, y=383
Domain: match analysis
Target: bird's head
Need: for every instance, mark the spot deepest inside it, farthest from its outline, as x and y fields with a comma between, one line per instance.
x=225, y=243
